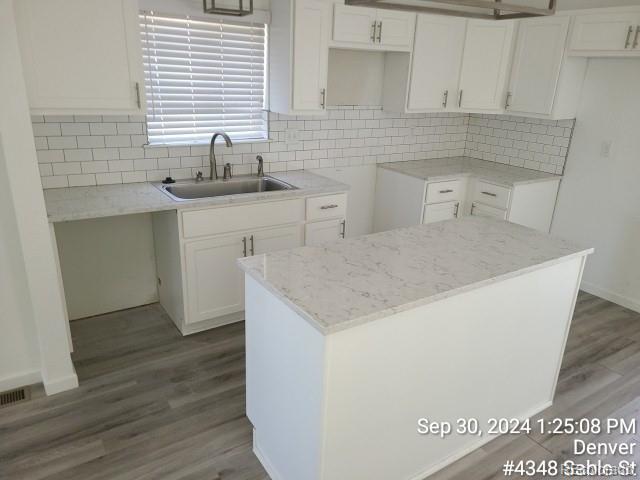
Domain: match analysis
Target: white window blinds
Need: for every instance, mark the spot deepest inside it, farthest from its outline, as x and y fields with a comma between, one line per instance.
x=202, y=77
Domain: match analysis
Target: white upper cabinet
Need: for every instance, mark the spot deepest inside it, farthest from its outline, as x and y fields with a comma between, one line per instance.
x=613, y=33
x=544, y=81
x=310, y=54
x=395, y=29
x=81, y=56
x=354, y=24
x=371, y=28
x=435, y=68
x=298, y=56
x=485, y=65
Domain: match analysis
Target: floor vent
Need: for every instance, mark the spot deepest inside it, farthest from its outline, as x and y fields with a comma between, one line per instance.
x=11, y=397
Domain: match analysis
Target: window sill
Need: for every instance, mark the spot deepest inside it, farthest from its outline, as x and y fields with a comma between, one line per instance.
x=199, y=144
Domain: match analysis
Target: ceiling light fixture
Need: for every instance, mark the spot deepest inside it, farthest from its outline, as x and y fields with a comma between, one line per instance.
x=497, y=7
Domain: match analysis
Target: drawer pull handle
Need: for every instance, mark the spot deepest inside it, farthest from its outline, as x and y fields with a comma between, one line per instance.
x=635, y=39
x=455, y=214
x=490, y=194
x=244, y=246
x=327, y=207
x=344, y=228
x=253, y=251
x=628, y=40
x=446, y=191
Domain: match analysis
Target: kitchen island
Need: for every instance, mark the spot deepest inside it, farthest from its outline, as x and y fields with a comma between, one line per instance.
x=349, y=344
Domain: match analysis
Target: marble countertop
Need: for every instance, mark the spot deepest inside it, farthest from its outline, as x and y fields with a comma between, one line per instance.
x=81, y=203
x=456, y=167
x=350, y=282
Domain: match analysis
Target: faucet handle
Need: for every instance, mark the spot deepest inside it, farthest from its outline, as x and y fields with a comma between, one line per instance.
x=260, y=165
x=199, y=176
x=228, y=171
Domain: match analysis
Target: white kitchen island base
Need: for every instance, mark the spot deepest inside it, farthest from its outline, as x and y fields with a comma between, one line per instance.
x=345, y=405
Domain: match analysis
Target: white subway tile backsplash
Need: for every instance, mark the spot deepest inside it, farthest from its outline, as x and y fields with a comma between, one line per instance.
x=113, y=148
x=531, y=143
x=79, y=128
x=108, y=178
x=81, y=180
x=78, y=155
x=50, y=156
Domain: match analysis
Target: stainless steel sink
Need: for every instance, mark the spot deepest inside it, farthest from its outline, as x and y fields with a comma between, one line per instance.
x=190, y=189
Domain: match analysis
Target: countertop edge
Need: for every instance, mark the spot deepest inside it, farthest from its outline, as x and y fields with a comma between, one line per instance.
x=337, y=187
x=435, y=178
x=325, y=330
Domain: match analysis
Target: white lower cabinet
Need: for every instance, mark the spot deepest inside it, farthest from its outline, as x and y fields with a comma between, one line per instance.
x=325, y=231
x=480, y=210
x=214, y=285
x=529, y=204
x=440, y=211
x=199, y=283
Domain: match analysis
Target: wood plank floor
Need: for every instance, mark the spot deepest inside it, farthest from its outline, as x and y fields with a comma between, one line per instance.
x=155, y=405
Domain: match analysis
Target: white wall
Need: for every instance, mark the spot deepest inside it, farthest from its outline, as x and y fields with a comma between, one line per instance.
x=117, y=254
x=34, y=262
x=355, y=77
x=599, y=201
x=19, y=359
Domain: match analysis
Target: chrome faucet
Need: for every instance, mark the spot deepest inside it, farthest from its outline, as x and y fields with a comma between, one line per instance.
x=260, y=166
x=212, y=153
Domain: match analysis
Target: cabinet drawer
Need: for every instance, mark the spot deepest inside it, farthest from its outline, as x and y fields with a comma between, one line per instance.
x=214, y=221
x=443, y=191
x=440, y=211
x=324, y=232
x=480, y=210
x=492, y=195
x=331, y=206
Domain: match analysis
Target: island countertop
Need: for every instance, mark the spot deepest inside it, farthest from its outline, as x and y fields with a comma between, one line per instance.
x=350, y=282
x=81, y=203
x=455, y=167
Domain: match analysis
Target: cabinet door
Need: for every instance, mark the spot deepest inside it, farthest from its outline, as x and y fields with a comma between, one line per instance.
x=440, y=211
x=395, y=28
x=81, y=56
x=310, y=54
x=354, y=24
x=536, y=65
x=324, y=232
x=604, y=32
x=485, y=64
x=274, y=239
x=214, y=283
x=435, y=69
x=481, y=210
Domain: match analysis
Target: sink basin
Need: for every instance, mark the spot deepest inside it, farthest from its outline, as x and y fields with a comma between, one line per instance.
x=190, y=190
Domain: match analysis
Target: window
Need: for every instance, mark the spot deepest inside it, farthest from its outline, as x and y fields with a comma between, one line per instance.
x=201, y=77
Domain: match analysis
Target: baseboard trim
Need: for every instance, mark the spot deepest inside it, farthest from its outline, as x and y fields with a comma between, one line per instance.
x=51, y=387
x=621, y=300
x=471, y=448
x=20, y=380
x=266, y=464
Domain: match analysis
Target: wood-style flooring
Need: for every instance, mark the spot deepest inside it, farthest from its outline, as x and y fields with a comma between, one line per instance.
x=157, y=406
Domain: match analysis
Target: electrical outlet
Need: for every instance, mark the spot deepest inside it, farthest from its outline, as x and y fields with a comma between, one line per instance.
x=292, y=136
x=605, y=148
